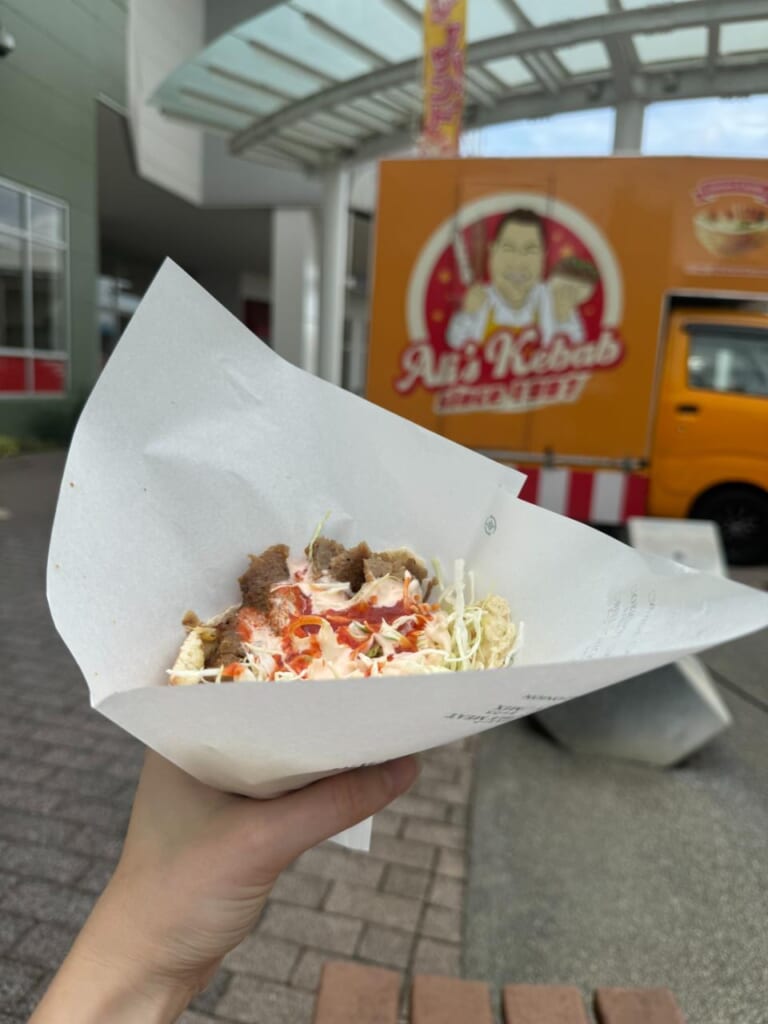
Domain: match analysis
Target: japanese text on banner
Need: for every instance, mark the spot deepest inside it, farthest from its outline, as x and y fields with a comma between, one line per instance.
x=444, y=44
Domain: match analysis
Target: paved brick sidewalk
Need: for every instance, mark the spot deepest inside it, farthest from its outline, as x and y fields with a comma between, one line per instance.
x=67, y=778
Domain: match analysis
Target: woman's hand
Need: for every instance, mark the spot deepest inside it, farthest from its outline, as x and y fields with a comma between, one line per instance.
x=194, y=874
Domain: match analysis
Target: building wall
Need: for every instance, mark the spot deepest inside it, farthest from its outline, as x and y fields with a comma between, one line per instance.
x=68, y=54
x=161, y=37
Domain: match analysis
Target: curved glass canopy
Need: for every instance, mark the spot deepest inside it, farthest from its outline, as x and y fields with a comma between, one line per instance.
x=311, y=83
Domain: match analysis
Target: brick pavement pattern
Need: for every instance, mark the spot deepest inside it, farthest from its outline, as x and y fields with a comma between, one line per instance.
x=67, y=778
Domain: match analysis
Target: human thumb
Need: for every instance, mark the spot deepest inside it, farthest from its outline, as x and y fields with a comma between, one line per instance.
x=303, y=819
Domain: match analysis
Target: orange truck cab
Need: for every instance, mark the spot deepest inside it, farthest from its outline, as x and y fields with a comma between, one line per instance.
x=601, y=324
x=709, y=456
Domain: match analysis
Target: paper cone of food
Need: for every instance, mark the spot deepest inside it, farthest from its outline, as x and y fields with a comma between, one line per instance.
x=199, y=447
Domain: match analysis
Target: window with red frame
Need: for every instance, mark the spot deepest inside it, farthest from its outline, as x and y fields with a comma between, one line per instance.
x=34, y=292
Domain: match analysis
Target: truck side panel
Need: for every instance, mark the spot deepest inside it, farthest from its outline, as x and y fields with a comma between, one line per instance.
x=516, y=302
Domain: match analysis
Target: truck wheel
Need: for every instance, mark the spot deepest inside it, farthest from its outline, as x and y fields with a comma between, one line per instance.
x=741, y=512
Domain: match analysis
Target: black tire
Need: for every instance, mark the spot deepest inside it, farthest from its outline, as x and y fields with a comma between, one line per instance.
x=741, y=512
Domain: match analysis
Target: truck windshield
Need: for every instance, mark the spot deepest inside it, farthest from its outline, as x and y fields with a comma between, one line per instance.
x=728, y=359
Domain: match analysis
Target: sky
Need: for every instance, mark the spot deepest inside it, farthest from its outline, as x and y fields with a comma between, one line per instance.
x=704, y=127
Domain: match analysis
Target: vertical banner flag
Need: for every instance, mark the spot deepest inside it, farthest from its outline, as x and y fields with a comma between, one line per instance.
x=444, y=52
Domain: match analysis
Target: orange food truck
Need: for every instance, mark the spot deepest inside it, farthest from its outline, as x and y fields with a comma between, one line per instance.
x=602, y=324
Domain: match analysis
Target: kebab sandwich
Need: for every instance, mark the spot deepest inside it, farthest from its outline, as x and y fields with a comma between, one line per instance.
x=341, y=612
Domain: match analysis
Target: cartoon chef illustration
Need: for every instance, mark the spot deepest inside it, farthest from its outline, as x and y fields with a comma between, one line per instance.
x=518, y=296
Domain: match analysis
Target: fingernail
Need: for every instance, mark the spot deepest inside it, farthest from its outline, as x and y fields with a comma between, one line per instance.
x=401, y=773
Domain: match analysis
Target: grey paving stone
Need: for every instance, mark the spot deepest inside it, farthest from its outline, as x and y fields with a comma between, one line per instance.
x=48, y=901
x=117, y=741
x=251, y=999
x=46, y=706
x=310, y=967
x=369, y=905
x=437, y=789
x=46, y=944
x=41, y=861
x=32, y=799
x=191, y=1017
x=122, y=745
x=70, y=747
x=33, y=828
x=304, y=890
x=76, y=781
x=265, y=956
x=468, y=745
x=16, y=770
x=386, y=823
x=125, y=794
x=12, y=928
x=104, y=730
x=126, y=769
x=67, y=752
x=442, y=923
x=405, y=881
x=439, y=770
x=332, y=862
x=214, y=991
x=46, y=712
x=451, y=756
x=21, y=749
x=458, y=815
x=16, y=982
x=311, y=927
x=403, y=851
x=7, y=883
x=415, y=806
x=452, y=836
x=97, y=843
x=91, y=811
x=27, y=1002
x=434, y=957
x=96, y=877
x=452, y=863
x=386, y=946
x=447, y=892
x=13, y=727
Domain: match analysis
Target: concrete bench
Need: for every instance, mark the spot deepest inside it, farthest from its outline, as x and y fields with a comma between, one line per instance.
x=662, y=716
x=356, y=994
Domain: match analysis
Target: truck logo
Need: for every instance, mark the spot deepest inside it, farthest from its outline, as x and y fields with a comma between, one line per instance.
x=512, y=304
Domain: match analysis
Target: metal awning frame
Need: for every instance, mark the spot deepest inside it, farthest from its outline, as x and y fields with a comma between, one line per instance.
x=378, y=112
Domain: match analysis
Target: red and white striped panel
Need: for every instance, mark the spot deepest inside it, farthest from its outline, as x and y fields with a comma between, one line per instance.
x=593, y=496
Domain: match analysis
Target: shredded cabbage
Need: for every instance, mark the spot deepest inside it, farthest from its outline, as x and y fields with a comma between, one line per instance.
x=316, y=534
x=482, y=632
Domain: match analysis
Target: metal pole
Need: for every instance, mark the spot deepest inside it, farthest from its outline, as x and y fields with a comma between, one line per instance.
x=333, y=272
x=628, y=131
x=294, y=287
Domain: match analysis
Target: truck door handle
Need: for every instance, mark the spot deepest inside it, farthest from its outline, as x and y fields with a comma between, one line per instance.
x=692, y=409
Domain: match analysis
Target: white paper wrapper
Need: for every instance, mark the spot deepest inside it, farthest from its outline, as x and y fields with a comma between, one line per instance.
x=199, y=445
